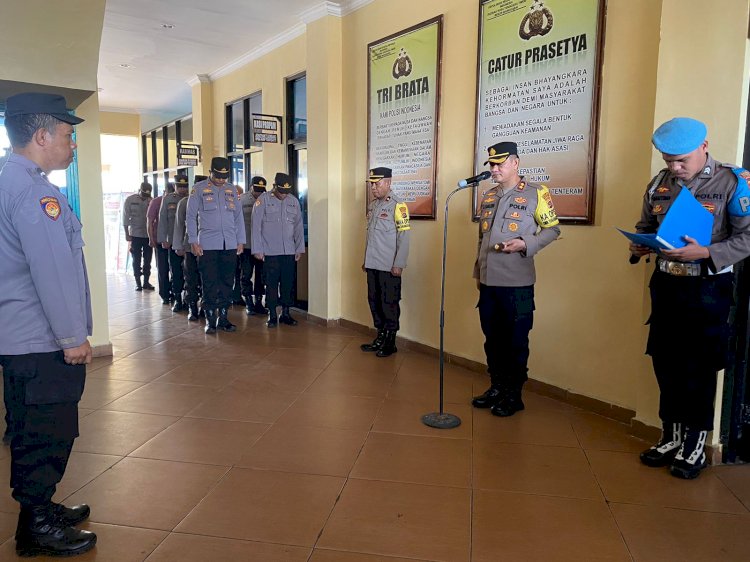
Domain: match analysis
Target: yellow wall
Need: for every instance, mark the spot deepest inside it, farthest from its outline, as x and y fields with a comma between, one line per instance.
x=115, y=123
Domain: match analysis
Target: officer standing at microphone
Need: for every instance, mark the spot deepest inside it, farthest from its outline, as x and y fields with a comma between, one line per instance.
x=165, y=237
x=216, y=233
x=516, y=221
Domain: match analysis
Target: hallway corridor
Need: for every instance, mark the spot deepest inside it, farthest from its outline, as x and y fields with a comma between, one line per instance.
x=293, y=445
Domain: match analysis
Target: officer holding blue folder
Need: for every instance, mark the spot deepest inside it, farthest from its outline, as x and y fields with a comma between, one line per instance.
x=691, y=291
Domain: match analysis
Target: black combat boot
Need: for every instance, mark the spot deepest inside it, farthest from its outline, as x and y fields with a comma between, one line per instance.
x=389, y=344
x=146, y=285
x=249, y=308
x=223, y=323
x=286, y=318
x=509, y=403
x=258, y=306
x=691, y=457
x=376, y=344
x=490, y=397
x=138, y=286
x=178, y=305
x=211, y=318
x=71, y=516
x=193, y=312
x=41, y=531
x=272, y=321
x=663, y=453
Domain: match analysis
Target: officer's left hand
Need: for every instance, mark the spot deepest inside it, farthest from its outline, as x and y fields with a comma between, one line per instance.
x=515, y=245
x=692, y=252
x=240, y=249
x=297, y=257
x=80, y=355
x=180, y=252
x=396, y=271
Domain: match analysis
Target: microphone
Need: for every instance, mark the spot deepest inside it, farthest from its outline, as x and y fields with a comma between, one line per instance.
x=475, y=179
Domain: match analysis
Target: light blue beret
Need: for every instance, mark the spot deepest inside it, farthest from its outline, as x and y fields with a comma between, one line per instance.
x=680, y=135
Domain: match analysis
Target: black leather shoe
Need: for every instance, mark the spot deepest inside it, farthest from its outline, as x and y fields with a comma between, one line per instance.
x=507, y=406
x=178, y=306
x=70, y=516
x=272, y=321
x=286, y=318
x=490, y=397
x=165, y=300
x=138, y=288
x=389, y=345
x=223, y=322
x=40, y=531
x=376, y=344
x=249, y=308
x=210, y=322
x=148, y=286
x=259, y=308
x=193, y=312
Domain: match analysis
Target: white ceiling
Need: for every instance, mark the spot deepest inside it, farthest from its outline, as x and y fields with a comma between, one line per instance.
x=208, y=35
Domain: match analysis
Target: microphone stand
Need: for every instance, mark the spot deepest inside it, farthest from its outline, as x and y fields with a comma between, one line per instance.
x=441, y=419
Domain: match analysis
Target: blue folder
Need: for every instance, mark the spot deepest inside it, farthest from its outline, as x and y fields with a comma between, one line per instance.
x=686, y=217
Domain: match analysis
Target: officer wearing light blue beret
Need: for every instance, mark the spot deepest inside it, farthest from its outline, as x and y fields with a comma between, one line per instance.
x=45, y=302
x=691, y=290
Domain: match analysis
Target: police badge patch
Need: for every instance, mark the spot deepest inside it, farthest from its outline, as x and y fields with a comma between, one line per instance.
x=51, y=207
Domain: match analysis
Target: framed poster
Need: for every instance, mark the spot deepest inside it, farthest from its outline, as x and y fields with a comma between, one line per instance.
x=403, y=84
x=538, y=86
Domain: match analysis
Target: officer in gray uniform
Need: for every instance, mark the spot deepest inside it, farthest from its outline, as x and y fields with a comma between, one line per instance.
x=386, y=252
x=249, y=262
x=216, y=233
x=517, y=220
x=165, y=233
x=691, y=291
x=44, y=350
x=278, y=241
x=190, y=263
x=134, y=221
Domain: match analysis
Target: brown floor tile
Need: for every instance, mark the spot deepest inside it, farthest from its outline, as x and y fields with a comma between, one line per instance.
x=511, y=526
x=398, y=416
x=133, y=370
x=535, y=427
x=8, y=522
x=422, y=386
x=307, y=450
x=148, y=493
x=356, y=361
x=162, y=399
x=625, y=480
x=236, y=404
x=418, y=460
x=598, y=433
x=7, y=503
x=323, y=555
x=203, y=441
x=265, y=376
x=194, y=548
x=82, y=469
x=406, y=520
x=737, y=479
x=97, y=392
x=373, y=384
x=534, y=469
x=210, y=375
x=339, y=412
x=260, y=505
x=303, y=358
x=659, y=534
x=118, y=433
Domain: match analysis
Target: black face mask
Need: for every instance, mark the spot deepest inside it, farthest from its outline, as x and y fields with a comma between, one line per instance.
x=259, y=190
x=145, y=194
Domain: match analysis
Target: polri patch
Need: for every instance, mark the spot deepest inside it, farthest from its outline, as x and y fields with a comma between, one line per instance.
x=51, y=207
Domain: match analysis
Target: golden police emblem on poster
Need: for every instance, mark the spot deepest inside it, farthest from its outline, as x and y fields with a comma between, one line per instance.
x=403, y=74
x=538, y=66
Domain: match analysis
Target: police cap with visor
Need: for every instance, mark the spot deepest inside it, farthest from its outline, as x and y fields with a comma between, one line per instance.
x=35, y=103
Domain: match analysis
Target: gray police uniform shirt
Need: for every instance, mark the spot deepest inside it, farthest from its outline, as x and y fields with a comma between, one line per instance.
x=387, y=234
x=134, y=211
x=525, y=211
x=247, y=200
x=277, y=226
x=167, y=214
x=179, y=234
x=723, y=190
x=45, y=302
x=214, y=217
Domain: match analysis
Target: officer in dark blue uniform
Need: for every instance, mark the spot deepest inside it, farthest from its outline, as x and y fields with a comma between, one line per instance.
x=44, y=351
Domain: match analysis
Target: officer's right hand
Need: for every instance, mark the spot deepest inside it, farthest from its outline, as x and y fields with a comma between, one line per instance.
x=180, y=252
x=165, y=245
x=151, y=243
x=479, y=284
x=638, y=250
x=260, y=257
x=80, y=355
x=197, y=250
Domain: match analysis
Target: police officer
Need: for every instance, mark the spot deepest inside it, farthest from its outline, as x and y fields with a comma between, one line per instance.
x=190, y=263
x=249, y=262
x=278, y=241
x=216, y=233
x=517, y=219
x=44, y=350
x=165, y=234
x=386, y=252
x=691, y=291
x=162, y=255
x=134, y=211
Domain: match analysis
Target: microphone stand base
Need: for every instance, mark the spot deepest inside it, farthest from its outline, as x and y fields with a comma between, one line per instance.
x=441, y=421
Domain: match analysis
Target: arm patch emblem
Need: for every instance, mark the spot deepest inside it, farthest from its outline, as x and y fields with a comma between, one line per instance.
x=51, y=207
x=401, y=217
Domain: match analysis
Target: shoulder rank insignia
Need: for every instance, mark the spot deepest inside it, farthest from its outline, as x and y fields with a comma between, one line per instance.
x=662, y=189
x=520, y=200
x=521, y=186
x=258, y=202
x=51, y=207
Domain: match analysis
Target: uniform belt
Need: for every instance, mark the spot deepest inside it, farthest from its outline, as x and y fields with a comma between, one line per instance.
x=681, y=269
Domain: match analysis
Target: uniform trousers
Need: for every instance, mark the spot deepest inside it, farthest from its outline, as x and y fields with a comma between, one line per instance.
x=279, y=274
x=162, y=266
x=192, y=277
x=175, y=269
x=383, y=296
x=41, y=394
x=507, y=316
x=688, y=343
x=217, y=274
x=141, y=253
x=237, y=283
x=251, y=264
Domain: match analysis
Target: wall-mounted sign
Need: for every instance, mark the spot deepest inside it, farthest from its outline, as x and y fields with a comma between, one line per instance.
x=188, y=154
x=403, y=74
x=266, y=128
x=539, y=65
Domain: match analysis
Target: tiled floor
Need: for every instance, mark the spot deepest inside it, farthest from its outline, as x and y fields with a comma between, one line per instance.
x=292, y=445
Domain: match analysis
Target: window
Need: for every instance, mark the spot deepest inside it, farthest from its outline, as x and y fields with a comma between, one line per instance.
x=161, y=156
x=296, y=111
x=246, y=159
